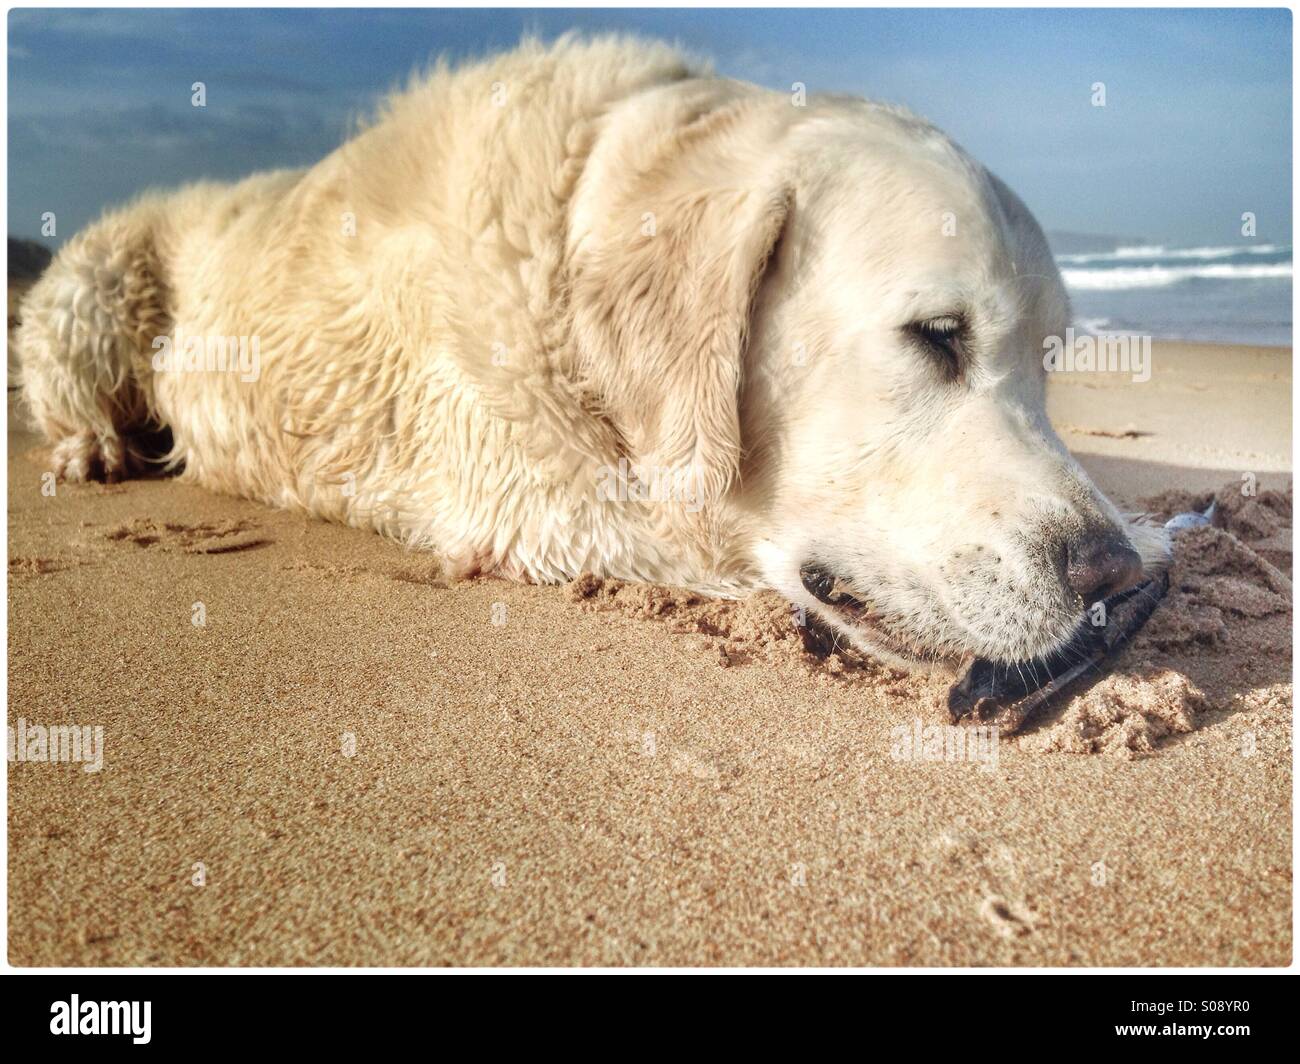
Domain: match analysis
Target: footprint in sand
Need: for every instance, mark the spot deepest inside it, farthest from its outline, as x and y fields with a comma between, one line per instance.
x=688, y=763
x=1009, y=919
x=223, y=537
x=26, y=568
x=1004, y=905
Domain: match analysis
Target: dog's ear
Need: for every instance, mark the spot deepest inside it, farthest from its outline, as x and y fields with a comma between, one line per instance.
x=662, y=288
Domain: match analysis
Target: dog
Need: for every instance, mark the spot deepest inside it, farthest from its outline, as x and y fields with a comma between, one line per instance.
x=586, y=307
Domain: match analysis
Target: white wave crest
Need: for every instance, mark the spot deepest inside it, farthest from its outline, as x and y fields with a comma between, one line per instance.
x=1164, y=276
x=1160, y=251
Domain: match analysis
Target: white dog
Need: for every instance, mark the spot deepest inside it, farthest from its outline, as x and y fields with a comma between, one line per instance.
x=587, y=307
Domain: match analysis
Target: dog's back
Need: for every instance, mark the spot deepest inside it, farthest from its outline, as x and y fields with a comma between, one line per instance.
x=390, y=304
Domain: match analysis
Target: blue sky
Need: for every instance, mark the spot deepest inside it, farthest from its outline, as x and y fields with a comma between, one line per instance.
x=1196, y=127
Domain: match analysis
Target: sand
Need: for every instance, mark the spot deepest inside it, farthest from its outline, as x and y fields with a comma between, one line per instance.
x=355, y=760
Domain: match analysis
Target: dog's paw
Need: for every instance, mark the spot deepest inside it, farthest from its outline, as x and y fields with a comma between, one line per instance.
x=88, y=456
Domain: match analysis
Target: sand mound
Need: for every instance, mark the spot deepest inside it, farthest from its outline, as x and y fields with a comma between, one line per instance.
x=1224, y=624
x=1124, y=715
x=1226, y=617
x=1262, y=519
x=1215, y=581
x=762, y=627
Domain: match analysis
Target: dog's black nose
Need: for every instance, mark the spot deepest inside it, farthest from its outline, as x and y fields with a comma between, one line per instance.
x=1100, y=565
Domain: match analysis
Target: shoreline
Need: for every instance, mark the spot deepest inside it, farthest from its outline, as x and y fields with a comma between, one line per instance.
x=1210, y=413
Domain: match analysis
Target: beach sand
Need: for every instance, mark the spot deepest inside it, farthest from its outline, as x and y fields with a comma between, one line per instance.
x=357, y=762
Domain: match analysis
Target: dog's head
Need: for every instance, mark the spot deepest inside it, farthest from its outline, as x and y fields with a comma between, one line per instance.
x=835, y=320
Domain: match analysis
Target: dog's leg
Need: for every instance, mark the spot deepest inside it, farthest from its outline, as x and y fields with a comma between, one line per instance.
x=86, y=342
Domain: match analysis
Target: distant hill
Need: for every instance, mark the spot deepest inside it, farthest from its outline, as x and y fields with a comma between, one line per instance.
x=27, y=259
x=1064, y=242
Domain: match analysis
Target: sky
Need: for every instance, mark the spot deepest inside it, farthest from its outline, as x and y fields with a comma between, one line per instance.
x=1196, y=127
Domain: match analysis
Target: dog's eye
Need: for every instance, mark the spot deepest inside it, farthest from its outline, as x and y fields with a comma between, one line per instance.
x=942, y=338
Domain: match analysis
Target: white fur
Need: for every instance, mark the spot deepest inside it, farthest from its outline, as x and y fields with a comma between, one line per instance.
x=573, y=256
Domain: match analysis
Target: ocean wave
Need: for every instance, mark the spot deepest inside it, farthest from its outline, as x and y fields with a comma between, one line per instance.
x=1092, y=326
x=1160, y=251
x=1163, y=276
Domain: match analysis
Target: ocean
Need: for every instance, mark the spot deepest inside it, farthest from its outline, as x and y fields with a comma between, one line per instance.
x=1231, y=294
